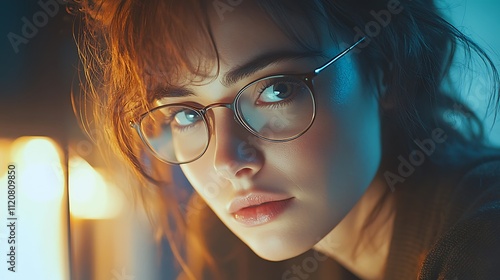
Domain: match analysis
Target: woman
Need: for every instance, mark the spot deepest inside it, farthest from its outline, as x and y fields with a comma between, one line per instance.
x=319, y=127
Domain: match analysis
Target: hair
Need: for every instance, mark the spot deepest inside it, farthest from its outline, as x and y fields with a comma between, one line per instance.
x=130, y=48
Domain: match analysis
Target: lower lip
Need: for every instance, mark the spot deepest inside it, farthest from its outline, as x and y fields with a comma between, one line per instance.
x=261, y=214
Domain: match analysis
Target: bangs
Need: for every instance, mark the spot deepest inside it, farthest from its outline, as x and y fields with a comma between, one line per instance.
x=161, y=42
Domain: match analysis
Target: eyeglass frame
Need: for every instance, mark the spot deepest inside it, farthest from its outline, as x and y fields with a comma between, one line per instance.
x=306, y=78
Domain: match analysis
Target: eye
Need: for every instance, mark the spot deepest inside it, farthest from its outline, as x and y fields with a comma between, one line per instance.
x=279, y=91
x=186, y=117
x=276, y=92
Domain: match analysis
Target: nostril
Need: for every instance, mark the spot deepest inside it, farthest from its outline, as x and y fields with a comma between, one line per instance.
x=245, y=172
x=230, y=166
x=234, y=171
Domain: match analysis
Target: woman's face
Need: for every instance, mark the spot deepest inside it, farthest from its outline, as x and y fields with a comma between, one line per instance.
x=312, y=182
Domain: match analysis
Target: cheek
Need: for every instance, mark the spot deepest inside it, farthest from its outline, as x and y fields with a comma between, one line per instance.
x=205, y=180
x=339, y=156
x=349, y=124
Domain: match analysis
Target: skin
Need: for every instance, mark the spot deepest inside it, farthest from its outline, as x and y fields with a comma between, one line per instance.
x=331, y=171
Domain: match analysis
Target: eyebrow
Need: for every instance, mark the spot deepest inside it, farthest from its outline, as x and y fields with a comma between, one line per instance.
x=262, y=61
x=240, y=72
x=171, y=92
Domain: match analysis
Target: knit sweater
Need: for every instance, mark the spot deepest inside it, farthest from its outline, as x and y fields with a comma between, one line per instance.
x=447, y=227
x=456, y=234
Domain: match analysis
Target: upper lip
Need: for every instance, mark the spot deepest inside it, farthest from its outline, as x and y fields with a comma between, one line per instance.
x=253, y=199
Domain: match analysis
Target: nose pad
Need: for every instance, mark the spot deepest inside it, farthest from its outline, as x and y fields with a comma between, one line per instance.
x=234, y=155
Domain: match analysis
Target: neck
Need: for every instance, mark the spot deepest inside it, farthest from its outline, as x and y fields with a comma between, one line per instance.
x=360, y=247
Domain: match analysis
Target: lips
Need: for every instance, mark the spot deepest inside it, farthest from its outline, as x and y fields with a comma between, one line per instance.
x=258, y=208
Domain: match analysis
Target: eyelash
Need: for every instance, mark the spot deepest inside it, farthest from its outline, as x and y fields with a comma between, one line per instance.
x=183, y=128
x=171, y=116
x=277, y=105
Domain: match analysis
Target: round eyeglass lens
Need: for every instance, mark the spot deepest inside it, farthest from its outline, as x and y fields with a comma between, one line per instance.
x=177, y=134
x=277, y=107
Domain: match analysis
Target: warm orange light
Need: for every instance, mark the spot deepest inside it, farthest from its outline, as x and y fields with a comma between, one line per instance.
x=4, y=155
x=91, y=197
x=42, y=174
x=41, y=240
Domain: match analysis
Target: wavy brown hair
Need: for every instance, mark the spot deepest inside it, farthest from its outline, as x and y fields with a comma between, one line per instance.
x=131, y=48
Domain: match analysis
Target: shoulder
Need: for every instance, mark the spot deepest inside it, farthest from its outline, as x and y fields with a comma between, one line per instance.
x=479, y=185
x=470, y=247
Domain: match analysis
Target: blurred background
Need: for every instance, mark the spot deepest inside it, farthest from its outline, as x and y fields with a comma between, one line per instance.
x=103, y=236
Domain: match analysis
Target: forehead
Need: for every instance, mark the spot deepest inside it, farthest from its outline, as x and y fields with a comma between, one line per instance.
x=245, y=30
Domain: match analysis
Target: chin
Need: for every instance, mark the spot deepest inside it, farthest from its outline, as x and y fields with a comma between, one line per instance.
x=276, y=249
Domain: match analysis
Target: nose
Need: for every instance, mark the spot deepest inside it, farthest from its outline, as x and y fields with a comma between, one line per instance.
x=235, y=154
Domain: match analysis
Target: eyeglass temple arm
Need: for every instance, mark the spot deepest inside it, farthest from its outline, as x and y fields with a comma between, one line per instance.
x=318, y=70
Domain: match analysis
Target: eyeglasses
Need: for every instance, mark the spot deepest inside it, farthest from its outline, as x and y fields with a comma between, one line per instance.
x=276, y=108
